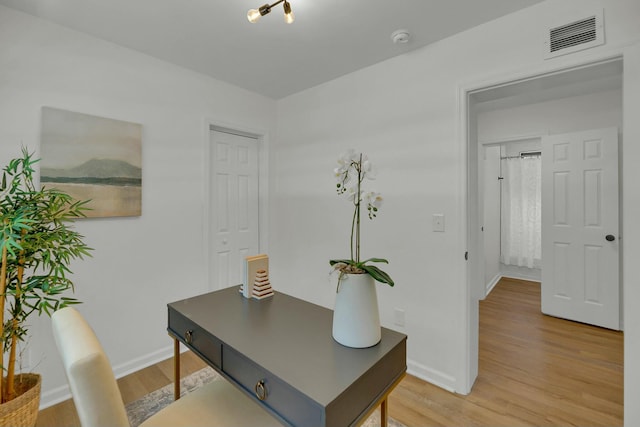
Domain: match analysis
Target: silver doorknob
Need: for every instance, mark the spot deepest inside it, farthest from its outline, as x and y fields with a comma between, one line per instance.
x=610, y=237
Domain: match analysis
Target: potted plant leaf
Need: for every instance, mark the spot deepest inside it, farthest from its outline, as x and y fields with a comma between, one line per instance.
x=37, y=245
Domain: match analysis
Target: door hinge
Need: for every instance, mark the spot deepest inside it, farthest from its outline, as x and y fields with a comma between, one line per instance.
x=466, y=256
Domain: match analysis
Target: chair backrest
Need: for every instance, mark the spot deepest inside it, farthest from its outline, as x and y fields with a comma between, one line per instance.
x=93, y=385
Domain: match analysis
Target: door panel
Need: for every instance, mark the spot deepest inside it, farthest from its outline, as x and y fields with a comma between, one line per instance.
x=580, y=267
x=234, y=215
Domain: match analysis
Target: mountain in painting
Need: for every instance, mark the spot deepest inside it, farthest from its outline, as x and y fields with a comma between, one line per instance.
x=104, y=171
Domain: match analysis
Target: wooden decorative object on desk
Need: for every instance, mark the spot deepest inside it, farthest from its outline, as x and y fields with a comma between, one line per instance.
x=251, y=266
x=261, y=286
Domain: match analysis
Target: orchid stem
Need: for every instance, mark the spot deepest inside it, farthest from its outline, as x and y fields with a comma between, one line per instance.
x=353, y=224
x=359, y=169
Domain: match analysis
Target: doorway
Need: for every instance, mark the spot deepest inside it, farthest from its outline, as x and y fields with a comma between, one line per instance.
x=509, y=110
x=233, y=204
x=510, y=195
x=579, y=182
x=526, y=112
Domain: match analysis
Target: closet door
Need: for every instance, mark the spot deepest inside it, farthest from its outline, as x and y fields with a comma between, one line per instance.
x=580, y=246
x=234, y=206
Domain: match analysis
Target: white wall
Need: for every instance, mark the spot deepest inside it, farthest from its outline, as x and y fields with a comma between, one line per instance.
x=404, y=113
x=630, y=214
x=140, y=263
x=591, y=111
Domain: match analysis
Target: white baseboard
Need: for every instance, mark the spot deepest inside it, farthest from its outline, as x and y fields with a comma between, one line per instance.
x=492, y=284
x=134, y=365
x=55, y=396
x=63, y=393
x=432, y=376
x=522, y=273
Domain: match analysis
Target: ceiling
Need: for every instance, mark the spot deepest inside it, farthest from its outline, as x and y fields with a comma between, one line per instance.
x=329, y=38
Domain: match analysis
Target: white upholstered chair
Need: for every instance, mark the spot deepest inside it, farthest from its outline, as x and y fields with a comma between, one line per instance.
x=98, y=400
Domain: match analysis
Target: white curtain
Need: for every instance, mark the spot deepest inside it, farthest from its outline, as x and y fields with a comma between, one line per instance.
x=521, y=235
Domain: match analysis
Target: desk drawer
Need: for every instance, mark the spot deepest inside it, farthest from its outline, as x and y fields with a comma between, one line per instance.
x=293, y=406
x=196, y=338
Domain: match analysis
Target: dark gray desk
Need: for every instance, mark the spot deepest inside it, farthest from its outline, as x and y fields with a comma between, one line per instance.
x=281, y=353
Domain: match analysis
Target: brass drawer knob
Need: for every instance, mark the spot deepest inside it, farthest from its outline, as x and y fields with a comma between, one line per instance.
x=261, y=390
x=188, y=336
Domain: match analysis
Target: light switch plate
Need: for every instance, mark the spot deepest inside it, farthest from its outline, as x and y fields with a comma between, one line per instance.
x=438, y=222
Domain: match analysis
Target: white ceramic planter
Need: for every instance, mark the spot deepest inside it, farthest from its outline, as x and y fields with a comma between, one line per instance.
x=356, y=318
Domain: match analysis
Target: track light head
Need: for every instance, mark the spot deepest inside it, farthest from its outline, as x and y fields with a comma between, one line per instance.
x=288, y=14
x=254, y=15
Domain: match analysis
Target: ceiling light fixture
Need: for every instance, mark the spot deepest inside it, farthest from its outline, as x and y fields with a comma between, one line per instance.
x=254, y=15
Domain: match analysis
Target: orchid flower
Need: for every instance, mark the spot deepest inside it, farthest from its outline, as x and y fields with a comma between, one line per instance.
x=356, y=166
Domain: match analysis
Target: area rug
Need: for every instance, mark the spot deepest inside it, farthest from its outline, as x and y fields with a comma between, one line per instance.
x=148, y=405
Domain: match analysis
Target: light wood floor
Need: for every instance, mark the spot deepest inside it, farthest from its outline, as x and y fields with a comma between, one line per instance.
x=534, y=370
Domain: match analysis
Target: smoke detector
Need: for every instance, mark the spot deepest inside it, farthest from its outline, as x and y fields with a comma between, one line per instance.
x=400, y=36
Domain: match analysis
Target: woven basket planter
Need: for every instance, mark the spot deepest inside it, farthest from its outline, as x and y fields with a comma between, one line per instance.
x=23, y=410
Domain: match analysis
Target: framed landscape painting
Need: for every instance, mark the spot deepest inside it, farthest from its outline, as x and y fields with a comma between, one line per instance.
x=94, y=158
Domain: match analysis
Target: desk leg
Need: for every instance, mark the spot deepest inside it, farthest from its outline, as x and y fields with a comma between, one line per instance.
x=383, y=413
x=176, y=369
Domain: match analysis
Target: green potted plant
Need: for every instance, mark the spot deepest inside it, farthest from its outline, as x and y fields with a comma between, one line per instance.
x=356, y=320
x=37, y=246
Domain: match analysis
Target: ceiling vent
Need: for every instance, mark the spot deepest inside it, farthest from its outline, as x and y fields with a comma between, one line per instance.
x=582, y=34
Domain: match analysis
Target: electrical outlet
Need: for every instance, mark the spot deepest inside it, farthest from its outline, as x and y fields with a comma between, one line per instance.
x=438, y=222
x=398, y=317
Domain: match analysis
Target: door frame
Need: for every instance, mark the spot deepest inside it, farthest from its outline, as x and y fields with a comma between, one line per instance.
x=262, y=136
x=470, y=238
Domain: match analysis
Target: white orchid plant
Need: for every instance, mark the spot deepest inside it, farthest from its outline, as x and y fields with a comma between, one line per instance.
x=352, y=170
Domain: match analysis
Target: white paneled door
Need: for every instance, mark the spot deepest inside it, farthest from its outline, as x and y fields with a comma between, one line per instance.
x=234, y=205
x=580, y=245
